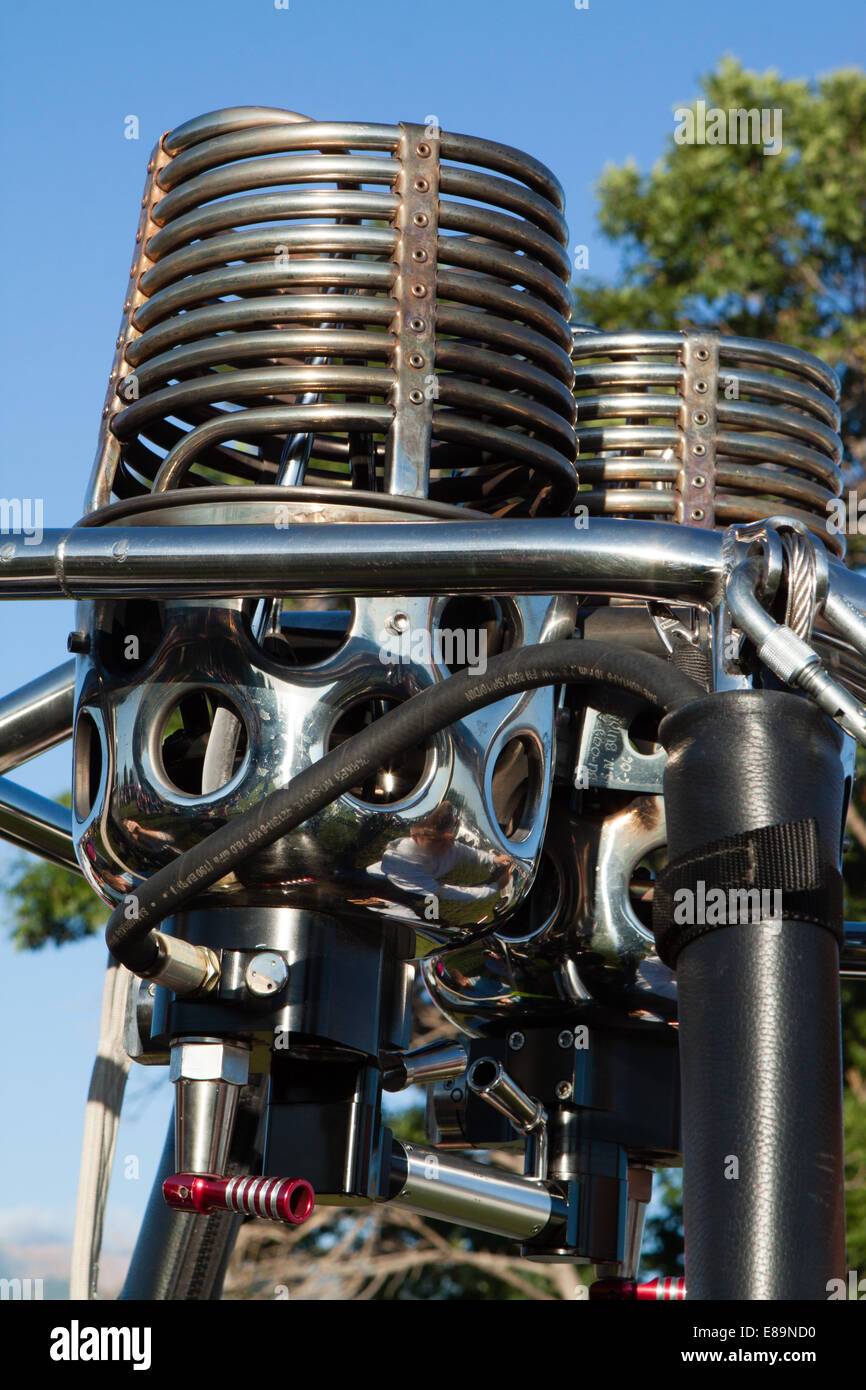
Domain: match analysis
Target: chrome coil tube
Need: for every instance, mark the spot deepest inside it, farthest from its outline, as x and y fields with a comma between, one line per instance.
x=344, y=304
x=706, y=429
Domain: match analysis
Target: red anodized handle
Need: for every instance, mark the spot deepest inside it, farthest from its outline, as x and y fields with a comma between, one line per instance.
x=276, y=1199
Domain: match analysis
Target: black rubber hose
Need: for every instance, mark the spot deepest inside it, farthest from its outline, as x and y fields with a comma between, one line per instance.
x=129, y=933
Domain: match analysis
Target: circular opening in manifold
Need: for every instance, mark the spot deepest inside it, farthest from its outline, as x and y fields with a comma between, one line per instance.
x=641, y=885
x=470, y=630
x=398, y=777
x=540, y=907
x=203, y=743
x=304, y=630
x=515, y=787
x=483, y=1073
x=88, y=765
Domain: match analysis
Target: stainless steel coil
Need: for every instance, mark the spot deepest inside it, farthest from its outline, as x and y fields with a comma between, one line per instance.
x=706, y=429
x=304, y=293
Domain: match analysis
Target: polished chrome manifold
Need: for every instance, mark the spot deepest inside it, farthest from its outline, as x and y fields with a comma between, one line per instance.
x=375, y=306
x=347, y=323
x=706, y=429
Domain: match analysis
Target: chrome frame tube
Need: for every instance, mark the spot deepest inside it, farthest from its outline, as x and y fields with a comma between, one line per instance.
x=463, y=557
x=37, y=717
x=608, y=556
x=446, y=1188
x=38, y=824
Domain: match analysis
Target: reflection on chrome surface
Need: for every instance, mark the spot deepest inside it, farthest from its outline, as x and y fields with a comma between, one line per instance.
x=185, y=718
x=576, y=947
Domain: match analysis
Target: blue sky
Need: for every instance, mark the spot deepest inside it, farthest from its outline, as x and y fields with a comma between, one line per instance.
x=576, y=88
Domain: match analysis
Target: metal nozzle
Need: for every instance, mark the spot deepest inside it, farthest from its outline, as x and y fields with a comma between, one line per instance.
x=209, y=1075
x=436, y=1062
x=489, y=1079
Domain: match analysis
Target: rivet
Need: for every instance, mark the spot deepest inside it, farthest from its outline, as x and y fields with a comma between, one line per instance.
x=417, y=325
x=416, y=397
x=421, y=185
x=416, y=360
x=419, y=255
x=699, y=450
x=700, y=386
x=698, y=513
x=701, y=354
x=701, y=417
x=419, y=291
x=420, y=219
x=422, y=149
x=699, y=480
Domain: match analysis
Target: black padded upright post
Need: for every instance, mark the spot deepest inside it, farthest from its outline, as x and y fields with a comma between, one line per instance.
x=754, y=797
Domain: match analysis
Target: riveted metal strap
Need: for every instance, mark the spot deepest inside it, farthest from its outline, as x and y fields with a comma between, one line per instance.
x=699, y=422
x=407, y=450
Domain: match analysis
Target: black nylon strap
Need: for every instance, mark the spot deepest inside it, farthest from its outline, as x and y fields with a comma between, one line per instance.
x=784, y=858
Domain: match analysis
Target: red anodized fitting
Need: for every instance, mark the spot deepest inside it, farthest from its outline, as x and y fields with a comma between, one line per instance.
x=276, y=1199
x=627, y=1290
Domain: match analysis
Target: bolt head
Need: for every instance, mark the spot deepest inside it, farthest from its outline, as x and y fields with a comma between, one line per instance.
x=516, y=1041
x=266, y=973
x=563, y=1090
x=566, y=1038
x=197, y=1060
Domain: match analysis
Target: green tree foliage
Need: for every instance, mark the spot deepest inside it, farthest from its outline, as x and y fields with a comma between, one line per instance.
x=49, y=903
